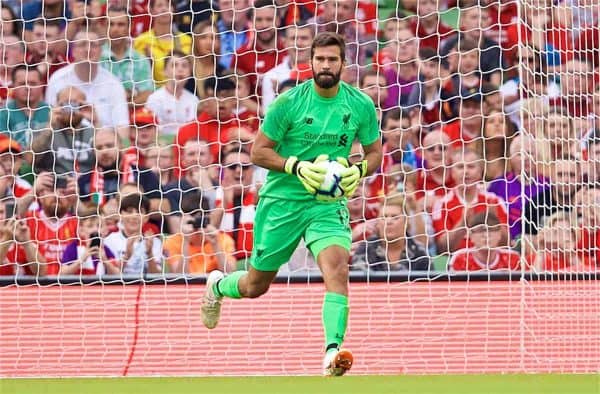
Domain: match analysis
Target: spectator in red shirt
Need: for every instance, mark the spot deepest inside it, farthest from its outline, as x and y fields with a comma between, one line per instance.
x=18, y=254
x=429, y=27
x=468, y=128
x=53, y=226
x=466, y=199
x=576, y=87
x=213, y=122
x=485, y=232
x=12, y=53
x=435, y=180
x=263, y=51
x=588, y=210
x=374, y=85
x=48, y=50
x=557, y=246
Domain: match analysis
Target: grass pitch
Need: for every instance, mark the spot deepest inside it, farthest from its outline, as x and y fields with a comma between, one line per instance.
x=447, y=384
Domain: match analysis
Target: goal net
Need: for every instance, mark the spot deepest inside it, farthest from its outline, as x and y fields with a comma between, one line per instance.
x=126, y=129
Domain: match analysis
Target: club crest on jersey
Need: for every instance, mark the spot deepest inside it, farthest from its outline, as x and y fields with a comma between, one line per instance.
x=346, y=120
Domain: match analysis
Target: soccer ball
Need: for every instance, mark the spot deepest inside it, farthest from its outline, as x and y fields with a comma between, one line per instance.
x=330, y=189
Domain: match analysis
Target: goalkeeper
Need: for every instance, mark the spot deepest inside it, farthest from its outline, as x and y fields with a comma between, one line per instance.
x=317, y=120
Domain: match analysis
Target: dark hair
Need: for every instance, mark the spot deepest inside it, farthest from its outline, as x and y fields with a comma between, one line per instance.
x=151, y=4
x=369, y=73
x=487, y=218
x=594, y=139
x=27, y=69
x=117, y=8
x=136, y=202
x=467, y=44
x=488, y=88
x=193, y=202
x=260, y=4
x=218, y=84
x=17, y=22
x=288, y=83
x=327, y=39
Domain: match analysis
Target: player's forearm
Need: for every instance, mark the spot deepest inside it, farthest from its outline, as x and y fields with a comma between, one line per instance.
x=373, y=161
x=267, y=158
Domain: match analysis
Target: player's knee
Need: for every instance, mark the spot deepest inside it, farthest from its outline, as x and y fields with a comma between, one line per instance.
x=255, y=290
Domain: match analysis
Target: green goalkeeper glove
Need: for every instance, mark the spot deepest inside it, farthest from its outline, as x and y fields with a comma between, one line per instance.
x=310, y=174
x=352, y=175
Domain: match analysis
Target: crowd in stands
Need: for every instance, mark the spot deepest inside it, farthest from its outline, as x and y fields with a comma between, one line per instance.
x=126, y=129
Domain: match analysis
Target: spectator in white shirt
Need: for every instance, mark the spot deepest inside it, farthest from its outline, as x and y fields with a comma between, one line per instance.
x=298, y=39
x=172, y=104
x=103, y=90
x=137, y=252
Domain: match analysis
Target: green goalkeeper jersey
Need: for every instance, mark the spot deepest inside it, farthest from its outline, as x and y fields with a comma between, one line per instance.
x=306, y=125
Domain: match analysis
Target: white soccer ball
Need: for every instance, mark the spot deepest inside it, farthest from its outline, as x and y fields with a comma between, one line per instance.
x=330, y=188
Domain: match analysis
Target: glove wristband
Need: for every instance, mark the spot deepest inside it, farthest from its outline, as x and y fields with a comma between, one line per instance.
x=291, y=165
x=362, y=168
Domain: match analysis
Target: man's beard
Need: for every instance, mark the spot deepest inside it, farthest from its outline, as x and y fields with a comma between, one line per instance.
x=265, y=37
x=327, y=80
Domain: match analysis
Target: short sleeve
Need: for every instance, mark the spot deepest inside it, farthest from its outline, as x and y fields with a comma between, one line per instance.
x=369, y=127
x=276, y=121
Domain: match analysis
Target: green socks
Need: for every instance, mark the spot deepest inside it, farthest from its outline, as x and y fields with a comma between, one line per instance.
x=228, y=286
x=335, y=319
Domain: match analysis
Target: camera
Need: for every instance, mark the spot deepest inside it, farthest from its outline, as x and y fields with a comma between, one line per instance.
x=199, y=222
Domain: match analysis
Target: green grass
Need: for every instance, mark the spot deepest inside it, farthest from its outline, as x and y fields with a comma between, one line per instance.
x=447, y=384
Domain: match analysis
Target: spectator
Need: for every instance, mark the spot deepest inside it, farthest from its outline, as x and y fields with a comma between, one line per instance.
x=173, y=104
x=159, y=160
x=18, y=253
x=557, y=134
x=532, y=82
x=576, y=87
x=196, y=179
x=88, y=255
x=492, y=98
x=138, y=252
x=490, y=60
x=214, y=121
x=245, y=108
x=233, y=27
x=66, y=147
x=464, y=66
x=162, y=40
x=103, y=90
x=564, y=177
x=399, y=135
x=293, y=13
x=142, y=136
x=400, y=243
x=47, y=51
x=435, y=180
x=466, y=199
x=120, y=59
x=263, y=50
x=12, y=54
x=498, y=133
x=53, y=226
x=487, y=254
x=557, y=246
x=429, y=28
x=398, y=60
x=298, y=39
x=362, y=215
x=374, y=85
x=49, y=10
x=11, y=159
x=468, y=128
x=588, y=234
x=593, y=163
x=429, y=98
x=205, y=62
x=522, y=183
x=199, y=247
x=236, y=202
x=111, y=170
x=9, y=23
x=25, y=113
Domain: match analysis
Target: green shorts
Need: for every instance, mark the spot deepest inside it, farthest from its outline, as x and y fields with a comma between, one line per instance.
x=279, y=226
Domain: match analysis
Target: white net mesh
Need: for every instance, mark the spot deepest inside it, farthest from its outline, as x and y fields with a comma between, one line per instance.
x=125, y=177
